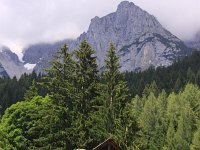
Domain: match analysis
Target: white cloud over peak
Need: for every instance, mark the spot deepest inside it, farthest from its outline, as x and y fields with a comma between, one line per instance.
x=25, y=22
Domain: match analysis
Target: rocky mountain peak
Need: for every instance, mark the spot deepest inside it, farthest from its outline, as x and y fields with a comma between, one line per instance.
x=126, y=5
x=9, y=54
x=10, y=64
x=126, y=24
x=140, y=39
x=136, y=33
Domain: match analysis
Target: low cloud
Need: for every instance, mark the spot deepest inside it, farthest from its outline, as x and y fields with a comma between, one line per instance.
x=27, y=22
x=181, y=17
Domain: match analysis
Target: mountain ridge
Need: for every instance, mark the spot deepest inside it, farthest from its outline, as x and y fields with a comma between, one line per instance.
x=124, y=27
x=140, y=40
x=10, y=65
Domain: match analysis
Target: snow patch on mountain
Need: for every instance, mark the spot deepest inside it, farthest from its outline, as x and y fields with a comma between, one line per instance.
x=29, y=66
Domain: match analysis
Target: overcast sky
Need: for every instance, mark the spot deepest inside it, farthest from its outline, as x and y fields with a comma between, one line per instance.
x=24, y=22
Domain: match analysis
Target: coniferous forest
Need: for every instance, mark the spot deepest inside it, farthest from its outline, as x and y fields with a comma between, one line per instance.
x=75, y=105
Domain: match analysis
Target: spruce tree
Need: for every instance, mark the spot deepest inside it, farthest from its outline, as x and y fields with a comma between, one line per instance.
x=31, y=92
x=170, y=137
x=115, y=95
x=86, y=77
x=190, y=75
x=177, y=86
x=59, y=83
x=59, y=79
x=152, y=88
x=197, y=79
x=86, y=83
x=195, y=141
x=181, y=135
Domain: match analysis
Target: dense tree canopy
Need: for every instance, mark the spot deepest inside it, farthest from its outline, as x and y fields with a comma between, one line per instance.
x=77, y=106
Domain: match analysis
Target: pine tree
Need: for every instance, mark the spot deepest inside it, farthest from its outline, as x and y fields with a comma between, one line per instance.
x=59, y=83
x=86, y=83
x=197, y=79
x=115, y=95
x=181, y=134
x=111, y=77
x=177, y=86
x=170, y=141
x=152, y=88
x=190, y=75
x=195, y=142
x=31, y=92
x=86, y=77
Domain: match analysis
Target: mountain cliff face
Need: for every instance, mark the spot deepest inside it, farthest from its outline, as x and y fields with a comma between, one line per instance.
x=140, y=40
x=40, y=54
x=10, y=65
x=3, y=72
x=195, y=42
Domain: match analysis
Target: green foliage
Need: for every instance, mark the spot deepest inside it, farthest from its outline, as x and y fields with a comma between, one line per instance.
x=59, y=81
x=86, y=80
x=17, y=120
x=34, y=124
x=112, y=98
x=60, y=85
x=113, y=101
x=170, y=137
x=31, y=92
x=3, y=140
x=195, y=142
x=166, y=122
x=13, y=90
x=172, y=78
x=84, y=107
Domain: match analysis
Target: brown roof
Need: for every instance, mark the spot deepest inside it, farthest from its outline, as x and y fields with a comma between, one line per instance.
x=109, y=142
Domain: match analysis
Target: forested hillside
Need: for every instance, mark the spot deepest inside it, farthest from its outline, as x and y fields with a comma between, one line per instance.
x=76, y=106
x=13, y=90
x=171, y=79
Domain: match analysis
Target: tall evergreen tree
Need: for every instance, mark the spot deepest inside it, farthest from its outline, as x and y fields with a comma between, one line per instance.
x=115, y=95
x=177, y=86
x=86, y=77
x=86, y=83
x=59, y=79
x=59, y=83
x=183, y=134
x=195, y=142
x=31, y=92
x=152, y=88
x=190, y=75
x=197, y=79
x=170, y=137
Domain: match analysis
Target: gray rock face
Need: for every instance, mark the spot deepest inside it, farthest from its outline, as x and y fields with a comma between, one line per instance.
x=40, y=54
x=10, y=65
x=151, y=49
x=140, y=39
x=9, y=54
x=195, y=42
x=3, y=73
